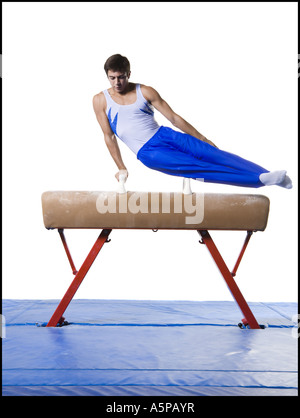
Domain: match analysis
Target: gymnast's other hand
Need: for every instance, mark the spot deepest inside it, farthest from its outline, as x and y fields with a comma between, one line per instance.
x=122, y=172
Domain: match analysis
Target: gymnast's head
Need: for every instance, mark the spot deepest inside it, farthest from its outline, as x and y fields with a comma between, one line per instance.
x=117, y=63
x=117, y=69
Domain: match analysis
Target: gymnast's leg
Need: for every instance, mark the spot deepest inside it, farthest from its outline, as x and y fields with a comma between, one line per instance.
x=182, y=155
x=216, y=156
x=176, y=163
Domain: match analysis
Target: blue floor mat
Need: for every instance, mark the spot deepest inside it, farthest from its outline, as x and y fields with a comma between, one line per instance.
x=148, y=348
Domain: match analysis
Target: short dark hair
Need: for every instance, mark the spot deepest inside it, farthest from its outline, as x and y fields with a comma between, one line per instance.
x=117, y=63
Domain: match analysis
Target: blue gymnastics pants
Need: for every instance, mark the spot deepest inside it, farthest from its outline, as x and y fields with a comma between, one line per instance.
x=180, y=154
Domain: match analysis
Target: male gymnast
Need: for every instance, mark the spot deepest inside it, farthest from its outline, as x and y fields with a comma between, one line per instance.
x=126, y=111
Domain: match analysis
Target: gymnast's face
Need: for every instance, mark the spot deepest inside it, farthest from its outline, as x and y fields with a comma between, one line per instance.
x=118, y=80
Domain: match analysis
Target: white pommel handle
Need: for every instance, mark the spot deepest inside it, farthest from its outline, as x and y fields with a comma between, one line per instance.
x=186, y=189
x=121, y=187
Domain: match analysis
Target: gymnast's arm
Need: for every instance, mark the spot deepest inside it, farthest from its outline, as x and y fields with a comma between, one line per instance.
x=110, y=139
x=162, y=106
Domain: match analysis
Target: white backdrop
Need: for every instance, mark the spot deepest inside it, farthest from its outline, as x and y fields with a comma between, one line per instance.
x=230, y=69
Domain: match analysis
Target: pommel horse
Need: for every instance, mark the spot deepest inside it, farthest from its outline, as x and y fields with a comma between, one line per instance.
x=152, y=211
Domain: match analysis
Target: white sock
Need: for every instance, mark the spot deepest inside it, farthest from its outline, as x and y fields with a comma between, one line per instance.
x=286, y=183
x=272, y=178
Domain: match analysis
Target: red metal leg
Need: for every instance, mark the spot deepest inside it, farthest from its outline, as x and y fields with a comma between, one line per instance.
x=56, y=317
x=235, y=291
x=249, y=234
x=63, y=239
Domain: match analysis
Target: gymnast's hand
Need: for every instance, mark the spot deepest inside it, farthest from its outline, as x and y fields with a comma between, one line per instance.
x=210, y=143
x=121, y=172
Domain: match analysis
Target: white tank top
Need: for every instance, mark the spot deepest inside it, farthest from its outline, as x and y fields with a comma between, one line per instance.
x=134, y=124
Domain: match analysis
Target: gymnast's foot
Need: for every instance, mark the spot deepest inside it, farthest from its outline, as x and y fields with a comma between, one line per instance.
x=273, y=177
x=286, y=183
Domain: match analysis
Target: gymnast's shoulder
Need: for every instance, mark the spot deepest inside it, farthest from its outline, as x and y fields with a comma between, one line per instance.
x=99, y=100
x=149, y=92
